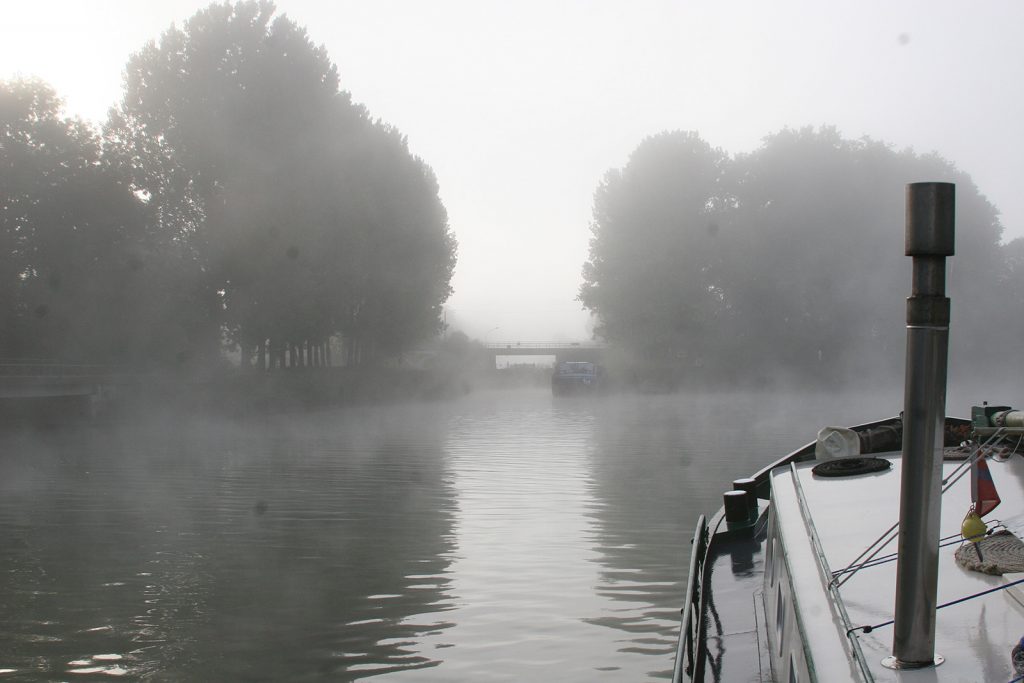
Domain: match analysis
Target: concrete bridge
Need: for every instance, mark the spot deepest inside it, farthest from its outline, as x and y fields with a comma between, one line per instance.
x=562, y=351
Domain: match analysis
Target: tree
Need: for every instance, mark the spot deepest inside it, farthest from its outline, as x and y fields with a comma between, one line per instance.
x=819, y=281
x=653, y=274
x=800, y=268
x=284, y=192
x=72, y=238
x=409, y=252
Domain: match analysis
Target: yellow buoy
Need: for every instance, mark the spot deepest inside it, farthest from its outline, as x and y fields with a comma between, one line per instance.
x=973, y=527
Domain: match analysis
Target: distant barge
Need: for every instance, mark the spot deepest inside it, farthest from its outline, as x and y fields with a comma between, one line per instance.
x=577, y=377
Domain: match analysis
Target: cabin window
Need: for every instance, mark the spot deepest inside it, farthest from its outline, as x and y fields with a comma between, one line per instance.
x=780, y=617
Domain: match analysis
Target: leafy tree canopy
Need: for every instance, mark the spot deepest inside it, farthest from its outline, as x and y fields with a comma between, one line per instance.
x=72, y=237
x=787, y=260
x=306, y=217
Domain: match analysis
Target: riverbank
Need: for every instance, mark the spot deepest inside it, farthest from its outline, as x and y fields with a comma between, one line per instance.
x=282, y=392
x=235, y=394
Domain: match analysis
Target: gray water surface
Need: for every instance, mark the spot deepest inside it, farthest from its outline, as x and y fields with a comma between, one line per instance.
x=506, y=536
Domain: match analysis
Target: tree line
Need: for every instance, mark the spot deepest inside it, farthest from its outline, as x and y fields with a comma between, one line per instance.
x=784, y=262
x=235, y=197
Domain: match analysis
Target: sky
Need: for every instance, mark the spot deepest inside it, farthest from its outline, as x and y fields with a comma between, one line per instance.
x=522, y=106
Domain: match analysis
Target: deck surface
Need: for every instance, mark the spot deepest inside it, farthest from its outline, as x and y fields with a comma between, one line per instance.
x=974, y=637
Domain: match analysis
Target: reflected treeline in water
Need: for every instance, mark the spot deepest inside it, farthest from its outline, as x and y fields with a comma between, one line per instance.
x=648, y=487
x=503, y=536
x=523, y=576
x=294, y=549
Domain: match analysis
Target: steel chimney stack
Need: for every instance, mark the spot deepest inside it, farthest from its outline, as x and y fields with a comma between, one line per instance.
x=929, y=240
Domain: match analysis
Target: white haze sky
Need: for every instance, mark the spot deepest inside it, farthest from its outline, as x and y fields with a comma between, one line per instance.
x=521, y=106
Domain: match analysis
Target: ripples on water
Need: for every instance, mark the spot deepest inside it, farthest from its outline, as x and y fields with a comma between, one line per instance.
x=507, y=536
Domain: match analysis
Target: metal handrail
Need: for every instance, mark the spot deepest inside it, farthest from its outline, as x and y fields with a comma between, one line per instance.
x=833, y=590
x=689, y=629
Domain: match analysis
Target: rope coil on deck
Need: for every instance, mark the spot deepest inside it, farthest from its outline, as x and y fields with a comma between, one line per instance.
x=1000, y=552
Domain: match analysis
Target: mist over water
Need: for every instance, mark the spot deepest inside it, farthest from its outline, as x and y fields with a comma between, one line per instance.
x=271, y=218
x=505, y=536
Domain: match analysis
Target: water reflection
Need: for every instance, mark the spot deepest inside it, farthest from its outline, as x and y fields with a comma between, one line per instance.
x=523, y=572
x=225, y=552
x=641, y=453
x=507, y=536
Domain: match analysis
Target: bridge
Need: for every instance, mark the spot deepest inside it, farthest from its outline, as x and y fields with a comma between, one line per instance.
x=562, y=351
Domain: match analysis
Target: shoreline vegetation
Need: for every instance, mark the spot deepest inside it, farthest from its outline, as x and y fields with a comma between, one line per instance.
x=185, y=227
x=241, y=264
x=234, y=394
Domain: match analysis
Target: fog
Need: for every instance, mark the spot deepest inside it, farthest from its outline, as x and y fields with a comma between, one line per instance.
x=419, y=541
x=520, y=108
x=264, y=278
x=717, y=197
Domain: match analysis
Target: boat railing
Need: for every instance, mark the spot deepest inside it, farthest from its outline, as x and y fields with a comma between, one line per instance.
x=688, y=649
x=826, y=572
x=691, y=650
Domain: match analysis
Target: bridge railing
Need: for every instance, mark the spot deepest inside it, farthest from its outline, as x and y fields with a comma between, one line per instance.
x=543, y=345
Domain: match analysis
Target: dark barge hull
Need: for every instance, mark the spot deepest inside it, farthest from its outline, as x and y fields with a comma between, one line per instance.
x=562, y=386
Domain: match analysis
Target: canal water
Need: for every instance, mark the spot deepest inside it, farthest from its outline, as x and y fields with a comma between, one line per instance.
x=506, y=536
